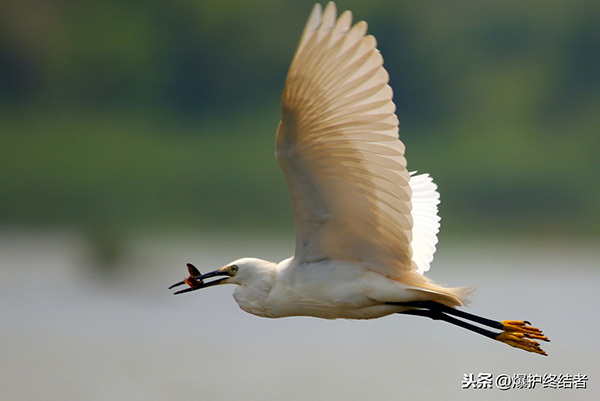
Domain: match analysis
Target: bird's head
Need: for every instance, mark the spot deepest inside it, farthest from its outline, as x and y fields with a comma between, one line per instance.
x=240, y=272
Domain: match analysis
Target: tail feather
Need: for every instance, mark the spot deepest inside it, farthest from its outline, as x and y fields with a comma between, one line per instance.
x=450, y=296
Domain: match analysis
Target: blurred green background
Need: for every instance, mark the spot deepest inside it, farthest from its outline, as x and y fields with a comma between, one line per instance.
x=121, y=116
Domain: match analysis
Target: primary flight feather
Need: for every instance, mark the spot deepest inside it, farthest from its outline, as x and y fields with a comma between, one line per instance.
x=365, y=227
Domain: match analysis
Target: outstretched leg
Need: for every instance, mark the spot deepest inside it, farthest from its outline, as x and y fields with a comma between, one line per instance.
x=515, y=333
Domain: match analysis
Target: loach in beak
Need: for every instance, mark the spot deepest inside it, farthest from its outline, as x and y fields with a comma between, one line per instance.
x=195, y=281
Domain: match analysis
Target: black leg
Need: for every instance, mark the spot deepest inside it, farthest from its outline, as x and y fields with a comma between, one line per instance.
x=441, y=316
x=515, y=333
x=436, y=306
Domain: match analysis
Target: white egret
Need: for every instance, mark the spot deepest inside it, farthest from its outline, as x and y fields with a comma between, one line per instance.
x=365, y=227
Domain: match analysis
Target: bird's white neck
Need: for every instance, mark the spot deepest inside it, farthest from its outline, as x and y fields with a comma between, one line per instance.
x=253, y=291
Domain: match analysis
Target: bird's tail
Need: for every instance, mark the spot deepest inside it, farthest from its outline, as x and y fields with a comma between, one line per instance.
x=450, y=296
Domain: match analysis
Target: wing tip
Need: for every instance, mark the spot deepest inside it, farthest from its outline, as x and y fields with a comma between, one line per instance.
x=314, y=19
x=329, y=16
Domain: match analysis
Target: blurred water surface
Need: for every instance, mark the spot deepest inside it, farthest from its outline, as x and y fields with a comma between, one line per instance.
x=72, y=331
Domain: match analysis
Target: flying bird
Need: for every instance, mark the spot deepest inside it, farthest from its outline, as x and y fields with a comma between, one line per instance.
x=366, y=228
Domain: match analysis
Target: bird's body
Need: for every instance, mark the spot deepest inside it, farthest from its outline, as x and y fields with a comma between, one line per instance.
x=366, y=228
x=326, y=289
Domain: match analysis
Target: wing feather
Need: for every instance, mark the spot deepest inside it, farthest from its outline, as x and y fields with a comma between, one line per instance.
x=338, y=147
x=425, y=199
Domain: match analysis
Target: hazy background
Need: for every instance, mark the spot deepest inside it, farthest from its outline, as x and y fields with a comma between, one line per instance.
x=136, y=136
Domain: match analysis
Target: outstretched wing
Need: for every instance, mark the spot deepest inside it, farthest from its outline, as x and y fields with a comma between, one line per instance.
x=338, y=147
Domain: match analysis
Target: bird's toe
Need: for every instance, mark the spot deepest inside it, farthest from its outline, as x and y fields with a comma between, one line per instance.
x=518, y=334
x=521, y=326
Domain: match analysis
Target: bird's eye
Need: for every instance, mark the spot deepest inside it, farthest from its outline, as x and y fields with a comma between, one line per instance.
x=233, y=268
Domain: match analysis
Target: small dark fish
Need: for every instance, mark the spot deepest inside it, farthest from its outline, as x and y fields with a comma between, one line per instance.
x=192, y=281
x=193, y=270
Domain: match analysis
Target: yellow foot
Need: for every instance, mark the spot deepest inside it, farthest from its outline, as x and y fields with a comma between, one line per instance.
x=518, y=334
x=520, y=326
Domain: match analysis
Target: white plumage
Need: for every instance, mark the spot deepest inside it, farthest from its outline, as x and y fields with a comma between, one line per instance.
x=365, y=227
x=426, y=222
x=338, y=147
